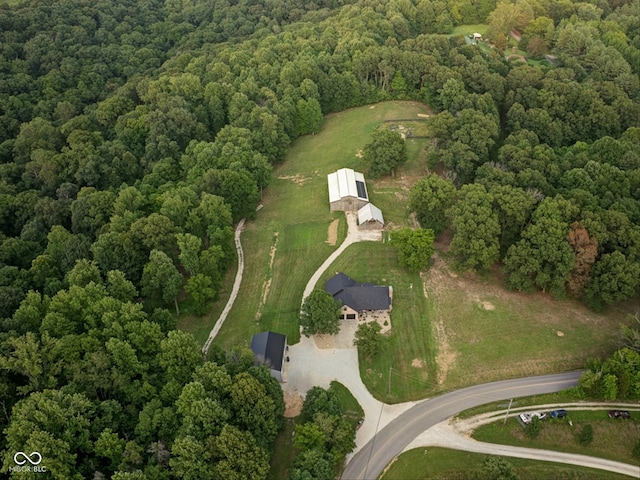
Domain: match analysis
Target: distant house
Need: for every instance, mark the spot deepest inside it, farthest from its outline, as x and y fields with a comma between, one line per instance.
x=347, y=190
x=269, y=348
x=357, y=298
x=370, y=217
x=477, y=36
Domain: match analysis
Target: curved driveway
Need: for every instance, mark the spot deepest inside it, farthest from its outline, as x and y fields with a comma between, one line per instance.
x=371, y=460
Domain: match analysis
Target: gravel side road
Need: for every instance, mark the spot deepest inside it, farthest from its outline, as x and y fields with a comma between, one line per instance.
x=448, y=435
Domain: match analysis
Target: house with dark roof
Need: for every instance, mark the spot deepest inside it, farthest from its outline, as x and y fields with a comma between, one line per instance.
x=269, y=348
x=357, y=298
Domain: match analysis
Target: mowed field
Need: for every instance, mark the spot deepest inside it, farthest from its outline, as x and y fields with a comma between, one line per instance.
x=294, y=232
x=442, y=463
x=449, y=329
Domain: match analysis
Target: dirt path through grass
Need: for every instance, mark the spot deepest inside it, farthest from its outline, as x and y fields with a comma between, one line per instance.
x=234, y=291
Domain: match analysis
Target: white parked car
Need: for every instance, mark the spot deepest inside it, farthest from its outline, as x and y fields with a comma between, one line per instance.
x=527, y=416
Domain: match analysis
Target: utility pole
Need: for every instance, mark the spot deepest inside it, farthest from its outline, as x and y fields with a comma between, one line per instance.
x=508, y=409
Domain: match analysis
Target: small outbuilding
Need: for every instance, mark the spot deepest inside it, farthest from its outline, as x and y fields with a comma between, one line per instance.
x=370, y=217
x=269, y=348
x=347, y=190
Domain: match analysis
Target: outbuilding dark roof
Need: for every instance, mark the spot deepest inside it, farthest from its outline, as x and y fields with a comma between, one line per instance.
x=268, y=347
x=359, y=296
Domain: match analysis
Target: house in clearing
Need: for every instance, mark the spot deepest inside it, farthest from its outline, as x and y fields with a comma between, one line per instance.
x=269, y=348
x=358, y=298
x=370, y=217
x=347, y=190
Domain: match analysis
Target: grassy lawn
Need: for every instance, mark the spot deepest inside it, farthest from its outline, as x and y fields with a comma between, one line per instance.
x=469, y=29
x=287, y=241
x=612, y=439
x=351, y=409
x=409, y=349
x=485, y=333
x=283, y=451
x=441, y=463
x=548, y=398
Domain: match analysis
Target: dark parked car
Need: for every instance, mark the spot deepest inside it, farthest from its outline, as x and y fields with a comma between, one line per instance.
x=558, y=413
x=619, y=414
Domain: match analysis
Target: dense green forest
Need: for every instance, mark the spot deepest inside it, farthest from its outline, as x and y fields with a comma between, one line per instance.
x=133, y=135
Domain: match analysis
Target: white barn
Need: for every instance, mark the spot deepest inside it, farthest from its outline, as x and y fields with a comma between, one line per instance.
x=347, y=190
x=370, y=217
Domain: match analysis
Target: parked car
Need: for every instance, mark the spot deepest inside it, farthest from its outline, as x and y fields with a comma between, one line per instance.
x=619, y=414
x=558, y=413
x=527, y=416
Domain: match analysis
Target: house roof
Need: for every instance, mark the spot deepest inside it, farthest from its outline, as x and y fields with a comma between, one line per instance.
x=268, y=348
x=359, y=296
x=338, y=283
x=370, y=212
x=346, y=183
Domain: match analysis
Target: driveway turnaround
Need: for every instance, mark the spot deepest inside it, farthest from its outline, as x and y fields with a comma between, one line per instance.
x=391, y=440
x=311, y=366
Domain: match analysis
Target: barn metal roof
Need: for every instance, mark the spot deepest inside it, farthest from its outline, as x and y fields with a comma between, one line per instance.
x=346, y=183
x=370, y=212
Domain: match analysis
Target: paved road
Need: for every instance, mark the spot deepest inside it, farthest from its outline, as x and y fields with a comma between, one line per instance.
x=371, y=460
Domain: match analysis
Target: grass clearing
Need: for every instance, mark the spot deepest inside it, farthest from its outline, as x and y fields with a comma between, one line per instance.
x=283, y=452
x=351, y=409
x=464, y=328
x=469, y=29
x=441, y=463
x=296, y=209
x=410, y=337
x=490, y=333
x=612, y=439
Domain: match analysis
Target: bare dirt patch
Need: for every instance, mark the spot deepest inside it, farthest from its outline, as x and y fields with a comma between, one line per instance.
x=446, y=357
x=487, y=306
x=325, y=342
x=559, y=333
x=423, y=115
x=267, y=284
x=417, y=363
x=292, y=404
x=332, y=232
x=434, y=287
x=299, y=180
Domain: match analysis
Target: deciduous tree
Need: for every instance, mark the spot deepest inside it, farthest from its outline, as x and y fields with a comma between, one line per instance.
x=384, y=153
x=415, y=247
x=319, y=314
